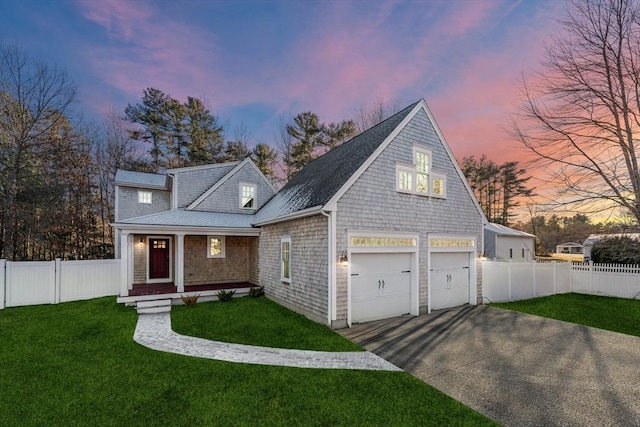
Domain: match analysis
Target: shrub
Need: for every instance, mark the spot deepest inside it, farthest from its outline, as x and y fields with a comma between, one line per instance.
x=256, y=291
x=190, y=299
x=225, y=296
x=616, y=250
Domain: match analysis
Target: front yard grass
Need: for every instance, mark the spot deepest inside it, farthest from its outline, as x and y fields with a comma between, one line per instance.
x=77, y=364
x=613, y=314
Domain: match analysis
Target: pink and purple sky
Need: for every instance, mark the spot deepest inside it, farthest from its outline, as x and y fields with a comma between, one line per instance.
x=253, y=61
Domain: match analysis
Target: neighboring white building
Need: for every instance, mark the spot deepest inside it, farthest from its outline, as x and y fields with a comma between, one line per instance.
x=595, y=238
x=569, y=248
x=507, y=244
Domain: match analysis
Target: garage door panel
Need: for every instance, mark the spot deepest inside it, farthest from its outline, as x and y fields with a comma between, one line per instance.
x=449, y=280
x=380, y=286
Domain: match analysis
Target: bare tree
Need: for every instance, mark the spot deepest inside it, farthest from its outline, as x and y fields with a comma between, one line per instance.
x=581, y=112
x=34, y=99
x=369, y=115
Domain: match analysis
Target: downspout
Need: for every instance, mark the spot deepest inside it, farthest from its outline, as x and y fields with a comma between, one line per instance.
x=331, y=225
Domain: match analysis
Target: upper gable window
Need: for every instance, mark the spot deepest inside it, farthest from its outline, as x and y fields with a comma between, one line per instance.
x=422, y=162
x=419, y=178
x=144, y=197
x=248, y=195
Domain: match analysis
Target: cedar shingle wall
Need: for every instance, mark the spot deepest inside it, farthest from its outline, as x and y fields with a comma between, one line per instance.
x=226, y=198
x=128, y=206
x=373, y=203
x=309, y=277
x=236, y=266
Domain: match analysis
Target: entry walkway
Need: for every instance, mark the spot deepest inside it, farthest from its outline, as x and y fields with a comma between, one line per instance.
x=154, y=331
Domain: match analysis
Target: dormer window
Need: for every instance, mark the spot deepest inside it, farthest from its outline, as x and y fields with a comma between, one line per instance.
x=248, y=195
x=144, y=197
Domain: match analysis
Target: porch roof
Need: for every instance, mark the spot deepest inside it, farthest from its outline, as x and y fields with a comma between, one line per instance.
x=180, y=218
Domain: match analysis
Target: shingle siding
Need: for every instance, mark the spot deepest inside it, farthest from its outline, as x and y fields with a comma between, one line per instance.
x=226, y=198
x=308, y=290
x=192, y=183
x=373, y=203
x=128, y=206
x=238, y=265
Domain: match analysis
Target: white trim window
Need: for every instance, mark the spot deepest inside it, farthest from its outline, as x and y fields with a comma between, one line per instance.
x=215, y=247
x=145, y=197
x=419, y=178
x=404, y=180
x=285, y=259
x=248, y=195
x=422, y=162
x=438, y=185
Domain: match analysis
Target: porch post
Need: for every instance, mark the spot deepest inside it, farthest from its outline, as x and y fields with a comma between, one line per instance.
x=179, y=273
x=124, y=263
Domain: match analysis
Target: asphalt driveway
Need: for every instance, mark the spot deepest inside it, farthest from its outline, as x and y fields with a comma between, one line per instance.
x=518, y=369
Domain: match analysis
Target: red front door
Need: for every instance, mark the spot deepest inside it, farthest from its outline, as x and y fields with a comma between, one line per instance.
x=158, y=258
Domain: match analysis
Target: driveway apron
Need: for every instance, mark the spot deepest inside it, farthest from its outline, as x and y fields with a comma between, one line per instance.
x=517, y=369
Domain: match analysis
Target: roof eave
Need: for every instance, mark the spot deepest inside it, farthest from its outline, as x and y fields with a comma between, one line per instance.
x=314, y=210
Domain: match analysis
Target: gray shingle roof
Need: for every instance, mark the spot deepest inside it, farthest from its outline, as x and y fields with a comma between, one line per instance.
x=141, y=179
x=321, y=179
x=506, y=231
x=181, y=217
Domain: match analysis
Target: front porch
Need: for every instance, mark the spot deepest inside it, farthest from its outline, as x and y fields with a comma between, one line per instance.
x=165, y=291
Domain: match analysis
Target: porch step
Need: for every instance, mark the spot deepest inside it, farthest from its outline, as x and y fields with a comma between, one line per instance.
x=153, y=306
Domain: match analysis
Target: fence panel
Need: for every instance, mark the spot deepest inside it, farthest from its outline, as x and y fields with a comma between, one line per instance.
x=511, y=281
x=523, y=283
x=30, y=282
x=495, y=281
x=89, y=279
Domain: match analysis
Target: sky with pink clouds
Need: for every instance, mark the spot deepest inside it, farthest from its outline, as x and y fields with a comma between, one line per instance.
x=254, y=61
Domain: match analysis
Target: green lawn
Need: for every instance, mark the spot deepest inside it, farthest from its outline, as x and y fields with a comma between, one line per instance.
x=77, y=364
x=613, y=314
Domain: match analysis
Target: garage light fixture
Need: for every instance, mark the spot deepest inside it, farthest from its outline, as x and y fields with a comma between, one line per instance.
x=344, y=259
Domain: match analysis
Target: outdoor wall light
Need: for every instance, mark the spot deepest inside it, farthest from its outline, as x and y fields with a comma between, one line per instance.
x=142, y=240
x=344, y=259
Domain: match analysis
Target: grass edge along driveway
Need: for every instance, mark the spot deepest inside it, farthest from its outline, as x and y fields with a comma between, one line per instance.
x=596, y=311
x=77, y=364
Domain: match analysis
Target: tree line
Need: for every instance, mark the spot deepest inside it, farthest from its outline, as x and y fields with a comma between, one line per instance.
x=57, y=173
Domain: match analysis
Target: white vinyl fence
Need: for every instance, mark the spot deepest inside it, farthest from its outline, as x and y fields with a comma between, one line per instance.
x=511, y=281
x=51, y=282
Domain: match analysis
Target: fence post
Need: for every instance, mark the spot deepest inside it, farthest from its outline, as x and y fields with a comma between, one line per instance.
x=590, y=277
x=555, y=278
x=535, y=284
x=57, y=276
x=3, y=279
x=509, y=272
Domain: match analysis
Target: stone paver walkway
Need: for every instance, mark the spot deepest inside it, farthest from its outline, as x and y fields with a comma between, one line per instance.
x=154, y=331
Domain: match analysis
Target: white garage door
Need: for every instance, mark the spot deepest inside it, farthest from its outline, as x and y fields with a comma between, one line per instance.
x=450, y=280
x=380, y=286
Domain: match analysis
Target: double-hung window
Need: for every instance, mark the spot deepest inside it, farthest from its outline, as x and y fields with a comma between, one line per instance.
x=248, y=195
x=285, y=259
